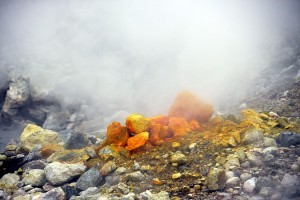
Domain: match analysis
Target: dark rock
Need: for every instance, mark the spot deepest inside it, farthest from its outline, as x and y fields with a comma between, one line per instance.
x=35, y=155
x=70, y=191
x=77, y=140
x=90, y=178
x=287, y=139
x=291, y=184
x=264, y=182
x=36, y=164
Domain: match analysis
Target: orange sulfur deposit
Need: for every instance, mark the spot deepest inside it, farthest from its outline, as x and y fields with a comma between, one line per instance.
x=186, y=115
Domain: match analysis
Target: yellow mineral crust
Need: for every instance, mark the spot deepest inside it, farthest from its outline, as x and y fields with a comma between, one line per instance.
x=137, y=123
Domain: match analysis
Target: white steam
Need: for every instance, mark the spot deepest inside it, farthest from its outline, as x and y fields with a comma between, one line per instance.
x=137, y=55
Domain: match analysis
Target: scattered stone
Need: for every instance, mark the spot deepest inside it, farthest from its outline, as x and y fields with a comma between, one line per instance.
x=252, y=136
x=77, y=140
x=3, y=195
x=291, y=184
x=89, y=192
x=135, y=176
x=69, y=190
x=107, y=168
x=34, y=177
x=58, y=173
x=175, y=144
x=179, y=158
x=216, y=179
x=241, y=155
x=232, y=161
x=221, y=160
x=56, y=193
x=270, y=142
x=270, y=150
x=249, y=185
x=287, y=139
x=90, y=178
x=70, y=156
x=112, y=180
x=255, y=159
x=35, y=164
x=176, y=175
x=262, y=182
x=120, y=170
x=234, y=181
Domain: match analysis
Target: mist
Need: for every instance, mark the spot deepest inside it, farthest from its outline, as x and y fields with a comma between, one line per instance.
x=136, y=56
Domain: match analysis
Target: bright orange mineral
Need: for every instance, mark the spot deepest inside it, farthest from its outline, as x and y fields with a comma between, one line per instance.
x=178, y=126
x=117, y=134
x=137, y=141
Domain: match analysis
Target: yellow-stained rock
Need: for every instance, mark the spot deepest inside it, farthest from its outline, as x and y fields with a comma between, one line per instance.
x=117, y=134
x=189, y=106
x=33, y=135
x=137, y=123
x=137, y=141
x=178, y=126
x=71, y=155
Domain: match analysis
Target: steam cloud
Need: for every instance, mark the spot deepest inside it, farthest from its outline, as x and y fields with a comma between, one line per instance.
x=137, y=55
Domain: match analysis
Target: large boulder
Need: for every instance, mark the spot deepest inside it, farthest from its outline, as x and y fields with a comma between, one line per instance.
x=34, y=135
x=34, y=177
x=189, y=106
x=287, y=139
x=58, y=173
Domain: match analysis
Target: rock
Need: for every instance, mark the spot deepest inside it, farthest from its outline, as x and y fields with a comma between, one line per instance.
x=179, y=158
x=232, y=161
x=58, y=173
x=90, y=178
x=162, y=195
x=249, y=185
x=35, y=164
x=109, y=152
x=56, y=120
x=220, y=160
x=176, y=175
x=107, y=168
x=89, y=192
x=189, y=106
x=69, y=191
x=9, y=182
x=252, y=136
x=270, y=150
x=56, y=193
x=270, y=142
x=3, y=195
x=245, y=176
x=70, y=156
x=255, y=159
x=178, y=126
x=229, y=174
x=137, y=141
x=287, y=139
x=112, y=180
x=265, y=191
x=241, y=155
x=291, y=184
x=216, y=179
x=120, y=170
x=34, y=177
x=34, y=135
x=262, y=182
x=77, y=140
x=137, y=123
x=234, y=181
x=135, y=176
x=117, y=134
x=17, y=96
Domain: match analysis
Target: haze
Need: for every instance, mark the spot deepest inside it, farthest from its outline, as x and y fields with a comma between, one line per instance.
x=137, y=55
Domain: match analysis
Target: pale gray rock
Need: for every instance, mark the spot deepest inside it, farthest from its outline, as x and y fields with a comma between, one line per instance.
x=58, y=173
x=252, y=136
x=135, y=176
x=179, y=158
x=291, y=184
x=234, y=181
x=54, y=194
x=249, y=185
x=270, y=142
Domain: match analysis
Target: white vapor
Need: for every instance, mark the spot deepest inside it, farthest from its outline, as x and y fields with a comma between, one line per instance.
x=137, y=55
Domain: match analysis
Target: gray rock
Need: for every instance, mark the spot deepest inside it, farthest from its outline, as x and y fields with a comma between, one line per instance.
x=58, y=173
x=112, y=180
x=231, y=161
x=120, y=170
x=3, y=195
x=216, y=179
x=245, y=176
x=89, y=192
x=265, y=191
x=162, y=195
x=34, y=177
x=262, y=182
x=270, y=142
x=70, y=190
x=179, y=158
x=270, y=150
x=255, y=158
x=77, y=140
x=229, y=174
x=17, y=96
x=135, y=176
x=291, y=184
x=54, y=194
x=241, y=155
x=287, y=139
x=56, y=120
x=256, y=198
x=90, y=178
x=252, y=136
x=250, y=185
x=35, y=164
x=129, y=196
x=234, y=181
